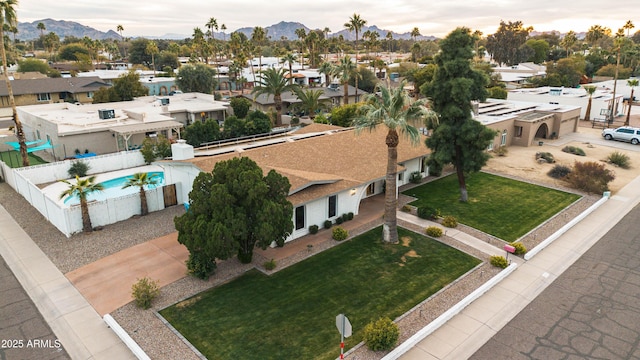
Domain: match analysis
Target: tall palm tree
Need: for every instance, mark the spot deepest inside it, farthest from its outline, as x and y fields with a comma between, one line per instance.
x=223, y=27
x=273, y=82
x=415, y=32
x=82, y=188
x=289, y=58
x=394, y=110
x=344, y=71
x=628, y=26
x=42, y=28
x=152, y=49
x=569, y=40
x=259, y=37
x=356, y=23
x=310, y=101
x=302, y=35
x=328, y=70
x=632, y=83
x=120, y=29
x=141, y=180
x=590, y=90
x=8, y=16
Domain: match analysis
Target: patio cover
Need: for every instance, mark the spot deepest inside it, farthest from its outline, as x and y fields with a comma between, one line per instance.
x=126, y=131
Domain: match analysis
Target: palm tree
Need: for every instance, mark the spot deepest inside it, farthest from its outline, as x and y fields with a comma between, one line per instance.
x=394, y=110
x=152, y=49
x=302, y=35
x=273, y=82
x=344, y=71
x=310, y=101
x=628, y=25
x=590, y=90
x=415, y=32
x=42, y=28
x=568, y=41
x=389, y=40
x=223, y=27
x=328, y=70
x=120, y=29
x=259, y=36
x=82, y=188
x=356, y=23
x=8, y=16
x=632, y=83
x=141, y=180
x=289, y=58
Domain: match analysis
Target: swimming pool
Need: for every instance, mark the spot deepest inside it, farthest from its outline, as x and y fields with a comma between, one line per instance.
x=113, y=188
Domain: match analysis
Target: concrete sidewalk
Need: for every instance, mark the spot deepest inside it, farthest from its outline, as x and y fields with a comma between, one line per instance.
x=80, y=329
x=466, y=332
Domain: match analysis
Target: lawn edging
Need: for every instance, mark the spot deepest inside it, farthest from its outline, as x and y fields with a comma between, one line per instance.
x=447, y=315
x=126, y=339
x=531, y=253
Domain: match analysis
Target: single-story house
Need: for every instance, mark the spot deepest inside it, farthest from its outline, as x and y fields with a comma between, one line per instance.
x=330, y=169
x=51, y=90
x=117, y=126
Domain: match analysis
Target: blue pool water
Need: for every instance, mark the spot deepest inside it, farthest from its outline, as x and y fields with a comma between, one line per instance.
x=113, y=188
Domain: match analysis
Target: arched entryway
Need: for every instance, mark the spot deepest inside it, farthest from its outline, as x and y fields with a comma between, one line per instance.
x=542, y=132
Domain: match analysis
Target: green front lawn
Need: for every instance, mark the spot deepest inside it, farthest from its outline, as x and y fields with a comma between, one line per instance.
x=14, y=160
x=291, y=314
x=497, y=205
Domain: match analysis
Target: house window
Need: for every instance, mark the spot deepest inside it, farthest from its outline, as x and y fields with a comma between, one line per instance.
x=371, y=189
x=90, y=94
x=423, y=162
x=38, y=134
x=44, y=97
x=503, y=140
x=299, y=217
x=490, y=146
x=401, y=176
x=333, y=205
x=518, y=131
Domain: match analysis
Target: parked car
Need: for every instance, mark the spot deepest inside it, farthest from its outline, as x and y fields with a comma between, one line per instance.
x=175, y=92
x=625, y=133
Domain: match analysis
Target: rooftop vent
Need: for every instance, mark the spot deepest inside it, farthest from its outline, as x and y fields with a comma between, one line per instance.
x=106, y=114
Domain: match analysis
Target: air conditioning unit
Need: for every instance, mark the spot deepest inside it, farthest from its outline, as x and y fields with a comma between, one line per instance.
x=105, y=114
x=164, y=101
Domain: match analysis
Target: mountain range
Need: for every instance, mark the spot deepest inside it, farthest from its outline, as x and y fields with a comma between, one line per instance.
x=29, y=31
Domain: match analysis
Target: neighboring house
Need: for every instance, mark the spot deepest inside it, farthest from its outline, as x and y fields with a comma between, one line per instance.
x=517, y=75
x=522, y=123
x=331, y=169
x=51, y=90
x=601, y=100
x=111, y=127
x=156, y=85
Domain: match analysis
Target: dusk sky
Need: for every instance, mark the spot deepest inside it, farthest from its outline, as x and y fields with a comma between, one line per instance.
x=438, y=18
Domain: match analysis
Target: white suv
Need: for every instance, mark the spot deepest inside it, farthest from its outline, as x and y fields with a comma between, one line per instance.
x=625, y=133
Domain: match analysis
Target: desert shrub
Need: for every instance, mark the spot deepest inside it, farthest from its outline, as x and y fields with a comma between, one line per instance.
x=406, y=208
x=499, y=261
x=433, y=231
x=78, y=168
x=381, y=334
x=144, y=291
x=546, y=156
x=559, y=171
x=574, y=150
x=619, y=159
x=339, y=220
x=427, y=212
x=349, y=216
x=415, y=177
x=590, y=176
x=339, y=233
x=501, y=151
x=313, y=229
x=449, y=221
x=345, y=217
x=200, y=266
x=327, y=224
x=269, y=265
x=520, y=248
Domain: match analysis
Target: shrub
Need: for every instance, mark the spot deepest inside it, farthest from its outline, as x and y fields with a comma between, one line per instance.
x=559, y=171
x=415, y=177
x=501, y=151
x=349, y=216
x=520, y=248
x=449, y=221
x=619, y=159
x=406, y=208
x=327, y=224
x=339, y=233
x=574, y=150
x=435, y=169
x=339, y=220
x=313, y=229
x=200, y=266
x=144, y=291
x=546, y=156
x=590, y=176
x=499, y=261
x=429, y=213
x=345, y=217
x=270, y=265
x=381, y=334
x=433, y=231
x=78, y=168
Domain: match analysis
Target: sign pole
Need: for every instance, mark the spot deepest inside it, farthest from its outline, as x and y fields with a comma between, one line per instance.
x=342, y=339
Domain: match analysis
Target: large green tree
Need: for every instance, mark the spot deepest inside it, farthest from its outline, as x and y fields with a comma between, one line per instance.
x=273, y=82
x=196, y=78
x=82, y=188
x=202, y=132
x=141, y=180
x=8, y=17
x=395, y=111
x=457, y=138
x=504, y=44
x=128, y=86
x=232, y=210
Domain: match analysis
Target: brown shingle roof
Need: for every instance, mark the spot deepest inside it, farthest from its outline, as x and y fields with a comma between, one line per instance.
x=53, y=85
x=326, y=164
